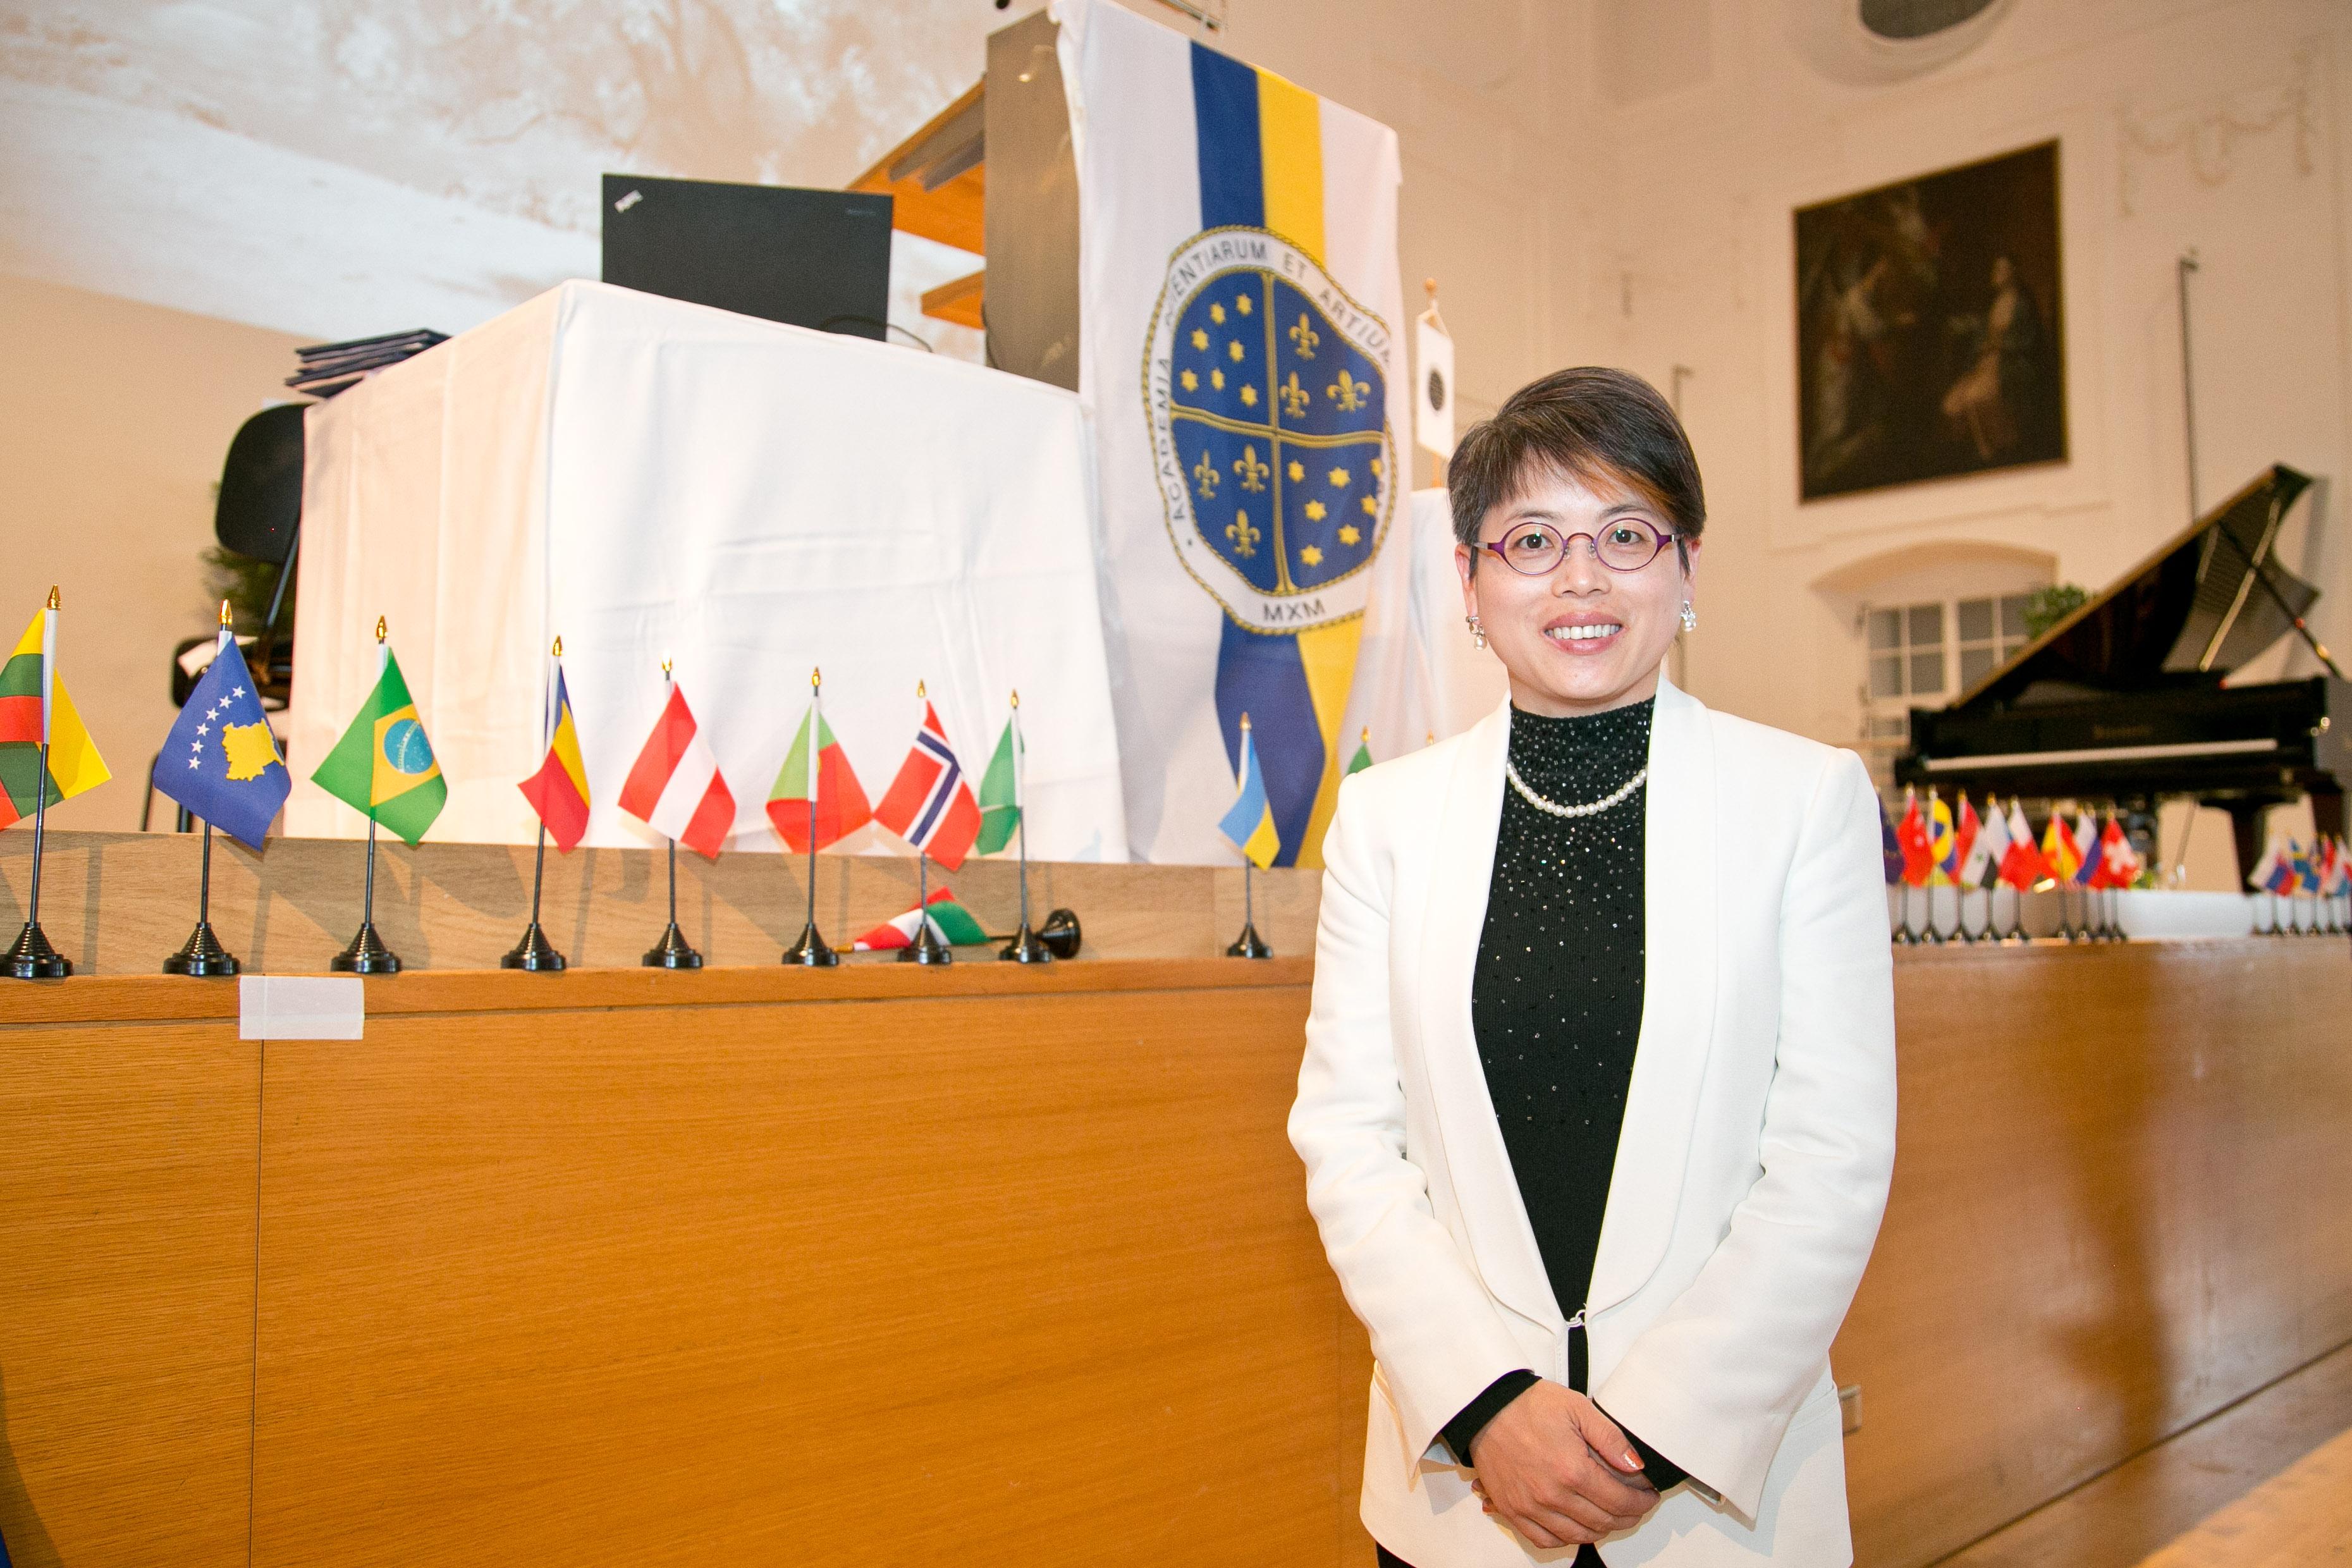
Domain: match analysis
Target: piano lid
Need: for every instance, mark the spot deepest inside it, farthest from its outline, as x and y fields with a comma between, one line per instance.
x=2188, y=615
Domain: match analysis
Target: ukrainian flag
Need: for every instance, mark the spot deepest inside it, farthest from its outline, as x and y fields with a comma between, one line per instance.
x=1241, y=237
x=1250, y=822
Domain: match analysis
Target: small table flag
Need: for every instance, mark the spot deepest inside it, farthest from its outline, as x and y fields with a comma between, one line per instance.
x=220, y=760
x=558, y=791
x=25, y=680
x=384, y=765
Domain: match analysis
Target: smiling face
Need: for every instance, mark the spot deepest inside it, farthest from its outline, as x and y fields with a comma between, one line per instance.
x=1581, y=638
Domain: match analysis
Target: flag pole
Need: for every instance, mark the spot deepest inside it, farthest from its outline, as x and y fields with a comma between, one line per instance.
x=1249, y=944
x=203, y=955
x=367, y=954
x=926, y=948
x=1026, y=946
x=534, y=955
x=812, y=952
x=33, y=958
x=672, y=952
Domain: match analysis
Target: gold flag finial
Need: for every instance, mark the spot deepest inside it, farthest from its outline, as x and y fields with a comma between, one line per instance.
x=1367, y=736
x=52, y=597
x=379, y=628
x=1244, y=722
x=1016, y=696
x=225, y=617
x=666, y=669
x=816, y=677
x=559, y=647
x=1428, y=737
x=920, y=693
x=1430, y=285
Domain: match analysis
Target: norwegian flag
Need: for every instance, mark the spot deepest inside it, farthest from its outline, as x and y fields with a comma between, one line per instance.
x=930, y=804
x=675, y=786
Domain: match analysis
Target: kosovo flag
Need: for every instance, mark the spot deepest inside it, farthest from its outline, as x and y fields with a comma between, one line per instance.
x=221, y=760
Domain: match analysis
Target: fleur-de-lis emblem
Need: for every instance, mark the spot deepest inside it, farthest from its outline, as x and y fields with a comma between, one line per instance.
x=1243, y=536
x=1349, y=393
x=1252, y=472
x=1305, y=336
x=1204, y=473
x=1293, y=397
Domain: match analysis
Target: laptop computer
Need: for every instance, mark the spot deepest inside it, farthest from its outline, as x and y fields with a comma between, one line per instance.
x=810, y=258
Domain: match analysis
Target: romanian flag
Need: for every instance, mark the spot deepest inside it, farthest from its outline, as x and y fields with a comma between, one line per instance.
x=34, y=706
x=1241, y=322
x=817, y=798
x=1250, y=822
x=558, y=791
x=384, y=765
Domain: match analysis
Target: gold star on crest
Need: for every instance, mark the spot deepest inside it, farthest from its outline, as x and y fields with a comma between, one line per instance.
x=1217, y=379
x=1350, y=534
x=1234, y=350
x=1249, y=397
x=1192, y=383
x=1377, y=469
x=1314, y=511
x=1242, y=303
x=1217, y=314
x=1339, y=477
x=1199, y=338
x=1312, y=556
x=1371, y=509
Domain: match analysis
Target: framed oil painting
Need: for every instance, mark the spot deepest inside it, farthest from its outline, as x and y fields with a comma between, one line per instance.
x=1928, y=328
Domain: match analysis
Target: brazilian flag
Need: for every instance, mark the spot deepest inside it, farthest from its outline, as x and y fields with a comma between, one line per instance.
x=384, y=766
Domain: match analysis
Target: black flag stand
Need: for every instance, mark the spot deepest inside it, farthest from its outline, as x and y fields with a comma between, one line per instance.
x=1026, y=946
x=1249, y=944
x=367, y=954
x=33, y=958
x=202, y=955
x=812, y=952
x=534, y=955
x=926, y=947
x=672, y=952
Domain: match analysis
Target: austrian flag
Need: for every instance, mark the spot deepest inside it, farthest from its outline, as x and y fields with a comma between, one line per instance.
x=676, y=788
x=930, y=804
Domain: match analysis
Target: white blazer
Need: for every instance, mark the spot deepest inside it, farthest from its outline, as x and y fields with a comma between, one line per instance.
x=1750, y=1174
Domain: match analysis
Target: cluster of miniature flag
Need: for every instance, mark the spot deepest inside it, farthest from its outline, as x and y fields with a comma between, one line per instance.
x=222, y=762
x=1935, y=847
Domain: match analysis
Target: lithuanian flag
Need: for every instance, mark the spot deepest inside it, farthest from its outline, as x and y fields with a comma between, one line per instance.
x=28, y=680
x=384, y=766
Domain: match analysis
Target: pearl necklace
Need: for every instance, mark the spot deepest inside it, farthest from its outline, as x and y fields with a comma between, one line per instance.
x=1556, y=809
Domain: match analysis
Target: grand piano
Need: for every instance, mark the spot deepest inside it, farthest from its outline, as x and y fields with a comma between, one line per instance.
x=2126, y=698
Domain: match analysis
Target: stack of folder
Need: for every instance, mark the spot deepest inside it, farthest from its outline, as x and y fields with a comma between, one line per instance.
x=327, y=368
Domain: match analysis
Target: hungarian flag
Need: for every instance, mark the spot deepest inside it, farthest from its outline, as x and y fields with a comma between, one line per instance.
x=999, y=790
x=1911, y=833
x=30, y=687
x=950, y=923
x=558, y=791
x=929, y=804
x=813, y=805
x=1363, y=757
x=675, y=786
x=384, y=766
x=2020, y=864
x=1986, y=841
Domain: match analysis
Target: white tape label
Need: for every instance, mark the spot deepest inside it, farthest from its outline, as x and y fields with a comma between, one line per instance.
x=300, y=1007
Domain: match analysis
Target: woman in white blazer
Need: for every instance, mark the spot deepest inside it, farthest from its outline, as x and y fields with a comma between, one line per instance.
x=1597, y=1103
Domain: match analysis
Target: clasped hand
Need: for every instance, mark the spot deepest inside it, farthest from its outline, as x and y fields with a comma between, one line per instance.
x=1558, y=1470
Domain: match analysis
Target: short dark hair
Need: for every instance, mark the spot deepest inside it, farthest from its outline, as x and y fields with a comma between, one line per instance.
x=1588, y=423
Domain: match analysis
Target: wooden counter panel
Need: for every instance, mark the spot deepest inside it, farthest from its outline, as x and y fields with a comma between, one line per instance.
x=1022, y=1279
x=127, y=1163
x=2120, y=1202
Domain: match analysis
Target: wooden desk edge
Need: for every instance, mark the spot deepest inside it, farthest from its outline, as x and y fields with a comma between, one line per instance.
x=157, y=998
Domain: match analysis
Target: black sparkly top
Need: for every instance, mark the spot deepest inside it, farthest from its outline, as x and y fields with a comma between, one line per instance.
x=1557, y=1000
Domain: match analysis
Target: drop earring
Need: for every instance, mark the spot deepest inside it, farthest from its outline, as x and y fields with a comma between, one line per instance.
x=1690, y=617
x=1477, y=632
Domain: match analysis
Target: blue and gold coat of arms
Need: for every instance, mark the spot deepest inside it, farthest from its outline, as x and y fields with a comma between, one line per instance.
x=1264, y=384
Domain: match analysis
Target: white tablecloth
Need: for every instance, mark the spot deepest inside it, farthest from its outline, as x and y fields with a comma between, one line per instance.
x=655, y=481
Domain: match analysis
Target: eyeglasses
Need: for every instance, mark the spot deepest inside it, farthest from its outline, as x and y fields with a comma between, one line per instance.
x=1627, y=544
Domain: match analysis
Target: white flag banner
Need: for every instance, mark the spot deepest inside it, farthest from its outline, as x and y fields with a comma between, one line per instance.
x=1239, y=355
x=1432, y=415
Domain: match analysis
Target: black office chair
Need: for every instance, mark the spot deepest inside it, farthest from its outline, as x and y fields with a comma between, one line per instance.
x=259, y=514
